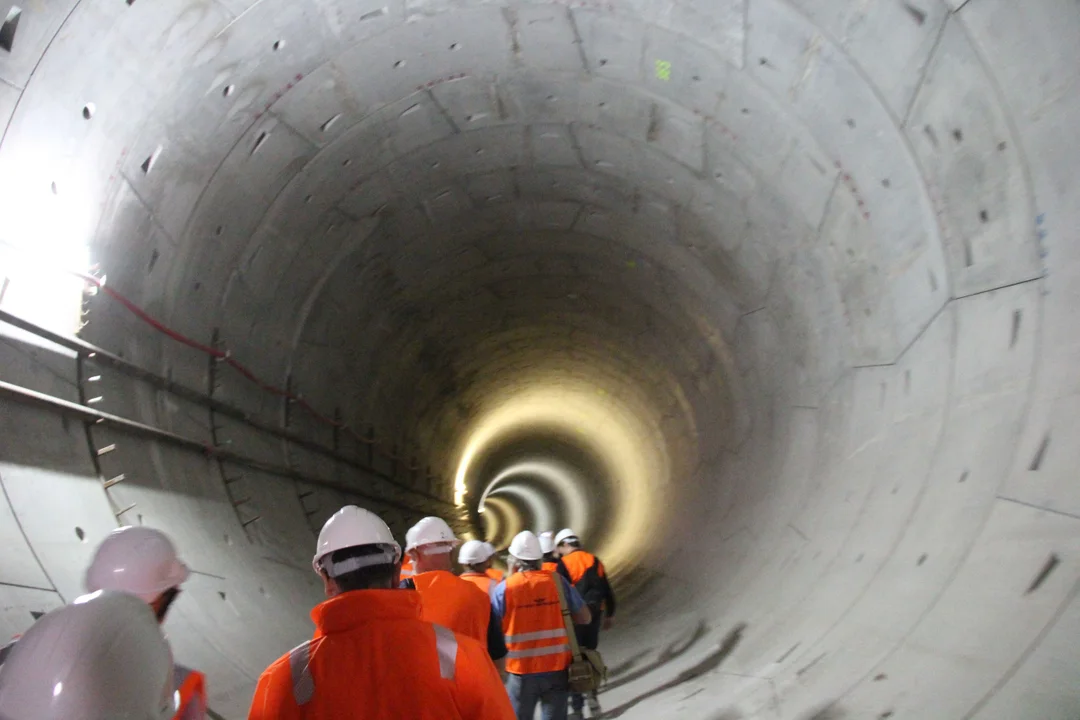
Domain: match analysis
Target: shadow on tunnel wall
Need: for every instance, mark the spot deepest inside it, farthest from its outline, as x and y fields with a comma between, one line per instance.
x=711, y=662
x=672, y=651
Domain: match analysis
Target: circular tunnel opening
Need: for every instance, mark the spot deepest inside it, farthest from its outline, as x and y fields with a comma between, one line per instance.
x=754, y=294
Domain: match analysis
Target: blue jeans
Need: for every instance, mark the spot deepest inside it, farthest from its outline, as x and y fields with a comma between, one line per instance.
x=550, y=689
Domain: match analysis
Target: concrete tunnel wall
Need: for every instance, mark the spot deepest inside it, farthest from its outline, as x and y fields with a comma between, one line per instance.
x=816, y=258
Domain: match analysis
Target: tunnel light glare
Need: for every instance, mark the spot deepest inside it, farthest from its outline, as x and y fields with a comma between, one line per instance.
x=539, y=509
x=48, y=225
x=563, y=480
x=630, y=446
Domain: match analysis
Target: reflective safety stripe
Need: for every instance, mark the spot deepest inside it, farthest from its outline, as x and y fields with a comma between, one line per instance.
x=302, y=682
x=446, y=647
x=405, y=572
x=540, y=635
x=537, y=652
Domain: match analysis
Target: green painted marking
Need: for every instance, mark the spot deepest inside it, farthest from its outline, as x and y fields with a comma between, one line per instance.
x=663, y=70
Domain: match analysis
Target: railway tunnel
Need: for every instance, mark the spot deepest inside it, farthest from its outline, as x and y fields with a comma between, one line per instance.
x=772, y=300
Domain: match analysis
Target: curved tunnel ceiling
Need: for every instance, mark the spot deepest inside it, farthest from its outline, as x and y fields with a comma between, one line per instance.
x=774, y=300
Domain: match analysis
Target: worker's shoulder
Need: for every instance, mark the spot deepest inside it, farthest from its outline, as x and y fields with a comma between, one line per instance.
x=280, y=667
x=471, y=650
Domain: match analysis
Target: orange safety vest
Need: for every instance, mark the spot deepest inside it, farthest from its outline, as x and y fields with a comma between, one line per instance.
x=533, y=624
x=407, y=568
x=480, y=580
x=496, y=575
x=578, y=563
x=550, y=567
x=368, y=645
x=190, y=694
x=454, y=603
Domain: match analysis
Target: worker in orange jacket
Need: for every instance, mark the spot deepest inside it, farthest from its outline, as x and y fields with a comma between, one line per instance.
x=407, y=570
x=590, y=579
x=475, y=561
x=532, y=619
x=492, y=572
x=446, y=599
x=369, y=640
x=552, y=562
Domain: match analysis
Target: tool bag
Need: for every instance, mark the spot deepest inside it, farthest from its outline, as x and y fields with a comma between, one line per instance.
x=587, y=669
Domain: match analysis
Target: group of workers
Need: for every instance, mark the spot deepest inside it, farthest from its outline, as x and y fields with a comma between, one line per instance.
x=400, y=635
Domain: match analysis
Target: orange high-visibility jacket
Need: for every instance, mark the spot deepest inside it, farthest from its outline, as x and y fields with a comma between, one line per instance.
x=579, y=562
x=480, y=580
x=550, y=567
x=496, y=575
x=533, y=624
x=373, y=656
x=454, y=603
x=191, y=691
x=406, y=568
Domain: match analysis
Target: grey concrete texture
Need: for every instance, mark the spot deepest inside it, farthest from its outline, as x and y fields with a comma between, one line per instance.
x=815, y=254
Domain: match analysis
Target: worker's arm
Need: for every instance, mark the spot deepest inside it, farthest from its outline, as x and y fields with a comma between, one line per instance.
x=274, y=698
x=609, y=595
x=478, y=689
x=579, y=611
x=560, y=567
x=496, y=643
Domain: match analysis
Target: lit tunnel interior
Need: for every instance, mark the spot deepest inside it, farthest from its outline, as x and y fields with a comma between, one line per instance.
x=774, y=301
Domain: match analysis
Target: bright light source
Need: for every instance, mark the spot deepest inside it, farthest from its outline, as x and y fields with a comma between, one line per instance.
x=57, y=689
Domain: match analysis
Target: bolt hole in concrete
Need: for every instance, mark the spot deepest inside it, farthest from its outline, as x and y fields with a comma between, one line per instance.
x=850, y=123
x=278, y=44
x=7, y=30
x=984, y=216
x=227, y=90
x=218, y=230
x=455, y=46
x=399, y=64
x=958, y=135
x=81, y=534
x=148, y=163
x=259, y=141
x=88, y=111
x=880, y=676
x=922, y=559
x=329, y=123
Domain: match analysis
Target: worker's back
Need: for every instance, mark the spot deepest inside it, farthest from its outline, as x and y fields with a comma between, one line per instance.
x=454, y=603
x=480, y=580
x=588, y=576
x=373, y=657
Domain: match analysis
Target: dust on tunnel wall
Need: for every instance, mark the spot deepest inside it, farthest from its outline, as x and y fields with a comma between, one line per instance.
x=901, y=475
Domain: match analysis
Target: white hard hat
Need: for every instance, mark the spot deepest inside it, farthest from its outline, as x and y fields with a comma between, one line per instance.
x=490, y=549
x=430, y=531
x=564, y=535
x=101, y=657
x=473, y=552
x=525, y=546
x=353, y=526
x=140, y=561
x=547, y=543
